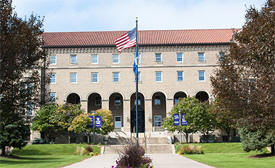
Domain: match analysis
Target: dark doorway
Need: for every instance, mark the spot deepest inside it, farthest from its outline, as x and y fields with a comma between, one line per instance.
x=94, y=102
x=178, y=96
x=141, y=116
x=73, y=98
x=202, y=96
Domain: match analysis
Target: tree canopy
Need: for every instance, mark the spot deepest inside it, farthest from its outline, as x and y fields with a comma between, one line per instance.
x=20, y=58
x=245, y=82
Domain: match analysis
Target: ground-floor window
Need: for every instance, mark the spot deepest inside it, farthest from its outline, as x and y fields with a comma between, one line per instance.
x=118, y=121
x=157, y=120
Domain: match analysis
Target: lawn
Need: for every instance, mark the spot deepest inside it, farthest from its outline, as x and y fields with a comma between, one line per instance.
x=44, y=156
x=230, y=155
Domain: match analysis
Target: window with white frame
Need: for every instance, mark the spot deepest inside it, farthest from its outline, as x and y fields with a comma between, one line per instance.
x=158, y=57
x=180, y=75
x=94, y=77
x=52, y=78
x=158, y=76
x=115, y=58
x=94, y=59
x=221, y=55
x=201, y=75
x=52, y=60
x=73, y=77
x=115, y=76
x=201, y=56
x=52, y=96
x=179, y=57
x=73, y=59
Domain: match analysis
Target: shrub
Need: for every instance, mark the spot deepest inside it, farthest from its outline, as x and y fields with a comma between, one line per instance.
x=133, y=156
x=88, y=150
x=190, y=149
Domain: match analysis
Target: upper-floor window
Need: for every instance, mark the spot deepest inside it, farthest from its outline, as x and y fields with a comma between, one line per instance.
x=115, y=76
x=52, y=78
x=221, y=55
x=201, y=56
x=158, y=76
x=180, y=75
x=94, y=59
x=115, y=58
x=158, y=57
x=52, y=60
x=73, y=77
x=94, y=76
x=201, y=75
x=52, y=96
x=179, y=57
x=73, y=59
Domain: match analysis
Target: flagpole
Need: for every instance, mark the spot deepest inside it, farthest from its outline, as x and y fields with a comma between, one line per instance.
x=137, y=78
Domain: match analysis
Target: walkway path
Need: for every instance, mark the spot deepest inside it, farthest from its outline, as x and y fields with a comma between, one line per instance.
x=159, y=161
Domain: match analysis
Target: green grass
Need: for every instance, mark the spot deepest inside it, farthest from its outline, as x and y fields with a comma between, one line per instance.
x=44, y=156
x=230, y=155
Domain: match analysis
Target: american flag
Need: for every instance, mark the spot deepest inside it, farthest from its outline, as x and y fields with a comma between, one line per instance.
x=126, y=40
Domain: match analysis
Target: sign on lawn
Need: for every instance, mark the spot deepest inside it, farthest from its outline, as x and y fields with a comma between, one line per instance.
x=183, y=121
x=98, y=121
x=90, y=125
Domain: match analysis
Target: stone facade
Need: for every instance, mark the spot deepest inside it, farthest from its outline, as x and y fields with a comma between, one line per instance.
x=156, y=98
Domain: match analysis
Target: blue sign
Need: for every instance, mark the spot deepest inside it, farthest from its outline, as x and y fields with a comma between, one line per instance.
x=176, y=119
x=90, y=125
x=183, y=121
x=98, y=121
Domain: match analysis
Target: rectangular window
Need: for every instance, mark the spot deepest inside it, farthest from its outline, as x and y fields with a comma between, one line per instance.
x=180, y=75
x=118, y=121
x=157, y=100
x=30, y=108
x=94, y=59
x=221, y=56
x=117, y=101
x=73, y=77
x=52, y=60
x=158, y=57
x=115, y=76
x=94, y=76
x=52, y=78
x=179, y=57
x=201, y=56
x=157, y=120
x=73, y=59
x=115, y=58
x=52, y=97
x=158, y=76
x=139, y=79
x=201, y=75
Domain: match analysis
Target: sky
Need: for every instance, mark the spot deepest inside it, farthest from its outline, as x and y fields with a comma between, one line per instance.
x=113, y=15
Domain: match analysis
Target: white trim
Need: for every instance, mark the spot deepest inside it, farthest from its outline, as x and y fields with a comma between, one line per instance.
x=75, y=59
x=75, y=78
x=97, y=78
x=96, y=58
x=181, y=57
x=118, y=57
x=161, y=76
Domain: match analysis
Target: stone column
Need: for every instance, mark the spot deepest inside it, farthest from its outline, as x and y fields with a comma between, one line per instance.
x=169, y=105
x=105, y=104
x=84, y=105
x=148, y=116
x=126, y=116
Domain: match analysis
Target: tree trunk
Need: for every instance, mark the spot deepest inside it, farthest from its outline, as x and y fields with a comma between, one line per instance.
x=3, y=151
x=186, y=137
x=88, y=139
x=273, y=149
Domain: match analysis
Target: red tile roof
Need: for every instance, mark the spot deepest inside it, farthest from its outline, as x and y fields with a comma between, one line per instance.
x=146, y=37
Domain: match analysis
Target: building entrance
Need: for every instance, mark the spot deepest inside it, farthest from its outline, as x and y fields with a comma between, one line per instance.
x=141, y=120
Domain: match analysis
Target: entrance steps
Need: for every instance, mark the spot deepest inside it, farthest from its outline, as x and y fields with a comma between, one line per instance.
x=151, y=145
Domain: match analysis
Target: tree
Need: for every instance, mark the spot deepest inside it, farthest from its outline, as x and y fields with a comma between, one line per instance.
x=79, y=125
x=107, y=123
x=65, y=114
x=244, y=84
x=195, y=113
x=43, y=121
x=20, y=57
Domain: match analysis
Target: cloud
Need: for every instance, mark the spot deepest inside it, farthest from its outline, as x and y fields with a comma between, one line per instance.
x=100, y=15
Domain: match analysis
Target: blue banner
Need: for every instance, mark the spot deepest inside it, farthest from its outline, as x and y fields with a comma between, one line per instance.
x=176, y=119
x=90, y=125
x=98, y=121
x=183, y=121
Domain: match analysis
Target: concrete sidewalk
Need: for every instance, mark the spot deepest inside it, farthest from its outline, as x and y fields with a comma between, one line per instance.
x=159, y=161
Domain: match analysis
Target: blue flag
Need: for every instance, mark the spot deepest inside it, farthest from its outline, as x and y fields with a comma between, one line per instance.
x=135, y=64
